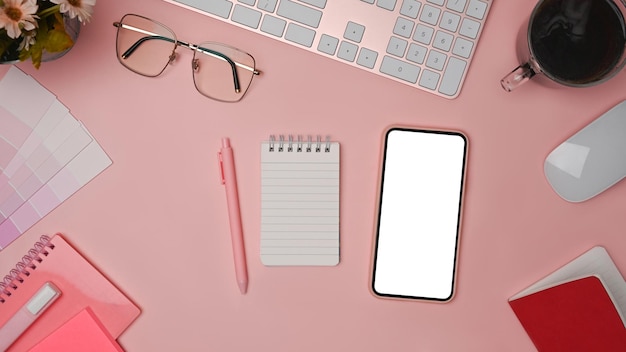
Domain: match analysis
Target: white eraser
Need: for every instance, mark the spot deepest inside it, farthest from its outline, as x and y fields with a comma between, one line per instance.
x=46, y=294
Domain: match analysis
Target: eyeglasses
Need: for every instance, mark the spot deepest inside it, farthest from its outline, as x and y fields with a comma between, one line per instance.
x=146, y=47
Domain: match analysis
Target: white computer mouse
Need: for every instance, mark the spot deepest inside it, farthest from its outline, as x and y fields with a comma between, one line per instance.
x=592, y=160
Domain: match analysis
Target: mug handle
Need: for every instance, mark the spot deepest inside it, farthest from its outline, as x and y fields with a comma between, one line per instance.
x=517, y=77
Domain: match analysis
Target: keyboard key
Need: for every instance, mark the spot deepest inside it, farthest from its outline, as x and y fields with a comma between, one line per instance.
x=397, y=46
x=450, y=21
x=443, y=41
x=354, y=32
x=477, y=9
x=403, y=27
x=300, y=35
x=273, y=25
x=299, y=13
x=246, y=16
x=430, y=15
x=347, y=51
x=267, y=5
x=417, y=53
x=462, y=47
x=328, y=44
x=423, y=34
x=247, y=2
x=429, y=79
x=399, y=69
x=457, y=5
x=469, y=28
x=452, y=76
x=410, y=8
x=436, y=60
x=317, y=3
x=368, y=1
x=219, y=8
x=386, y=4
x=436, y=2
x=367, y=58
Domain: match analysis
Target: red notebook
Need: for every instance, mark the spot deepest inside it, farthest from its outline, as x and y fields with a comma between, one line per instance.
x=81, y=285
x=577, y=308
x=83, y=332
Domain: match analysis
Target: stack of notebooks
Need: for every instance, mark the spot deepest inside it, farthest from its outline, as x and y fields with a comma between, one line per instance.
x=55, y=300
x=579, y=307
x=46, y=154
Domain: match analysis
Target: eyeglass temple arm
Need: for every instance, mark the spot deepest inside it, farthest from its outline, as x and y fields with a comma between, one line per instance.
x=132, y=48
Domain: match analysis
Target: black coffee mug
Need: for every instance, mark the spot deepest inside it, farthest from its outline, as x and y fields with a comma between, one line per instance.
x=576, y=43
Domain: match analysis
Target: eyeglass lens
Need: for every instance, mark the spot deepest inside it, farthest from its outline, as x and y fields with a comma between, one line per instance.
x=220, y=72
x=213, y=66
x=144, y=46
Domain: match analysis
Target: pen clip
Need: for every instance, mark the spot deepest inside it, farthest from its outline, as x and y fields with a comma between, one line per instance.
x=220, y=163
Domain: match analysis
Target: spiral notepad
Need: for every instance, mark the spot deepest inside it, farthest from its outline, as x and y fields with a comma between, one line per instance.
x=81, y=285
x=299, y=201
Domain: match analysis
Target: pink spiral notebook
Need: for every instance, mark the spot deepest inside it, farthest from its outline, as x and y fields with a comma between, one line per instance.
x=54, y=260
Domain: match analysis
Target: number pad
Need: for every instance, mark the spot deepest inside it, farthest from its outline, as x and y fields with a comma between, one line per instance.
x=437, y=32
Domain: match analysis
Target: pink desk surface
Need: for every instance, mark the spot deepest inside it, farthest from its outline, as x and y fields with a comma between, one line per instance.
x=155, y=222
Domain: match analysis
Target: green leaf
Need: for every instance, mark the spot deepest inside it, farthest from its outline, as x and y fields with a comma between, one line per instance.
x=51, y=37
x=57, y=39
x=35, y=52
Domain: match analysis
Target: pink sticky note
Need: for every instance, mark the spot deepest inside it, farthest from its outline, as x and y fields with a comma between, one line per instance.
x=83, y=332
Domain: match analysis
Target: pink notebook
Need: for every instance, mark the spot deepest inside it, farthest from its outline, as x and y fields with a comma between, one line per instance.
x=82, y=285
x=83, y=332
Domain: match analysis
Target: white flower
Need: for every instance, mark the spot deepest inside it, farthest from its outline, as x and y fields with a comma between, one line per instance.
x=16, y=15
x=29, y=39
x=81, y=8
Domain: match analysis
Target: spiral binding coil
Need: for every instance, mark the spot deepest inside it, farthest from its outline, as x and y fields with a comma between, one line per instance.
x=23, y=268
x=300, y=144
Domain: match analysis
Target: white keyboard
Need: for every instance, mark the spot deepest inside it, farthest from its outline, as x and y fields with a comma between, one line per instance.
x=426, y=44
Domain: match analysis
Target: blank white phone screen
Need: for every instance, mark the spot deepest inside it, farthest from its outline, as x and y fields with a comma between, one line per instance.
x=419, y=214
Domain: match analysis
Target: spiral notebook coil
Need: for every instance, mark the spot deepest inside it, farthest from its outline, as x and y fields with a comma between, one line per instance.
x=24, y=268
x=300, y=144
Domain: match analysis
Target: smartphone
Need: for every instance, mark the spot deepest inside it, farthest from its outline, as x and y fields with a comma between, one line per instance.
x=418, y=220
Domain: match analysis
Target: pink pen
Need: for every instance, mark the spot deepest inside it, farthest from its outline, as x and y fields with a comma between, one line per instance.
x=229, y=180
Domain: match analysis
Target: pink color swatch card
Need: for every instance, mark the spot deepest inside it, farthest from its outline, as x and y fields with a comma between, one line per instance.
x=42, y=165
x=23, y=103
x=38, y=138
x=78, y=172
x=46, y=154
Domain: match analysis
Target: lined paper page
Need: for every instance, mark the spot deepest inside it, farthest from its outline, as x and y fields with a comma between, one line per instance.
x=300, y=204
